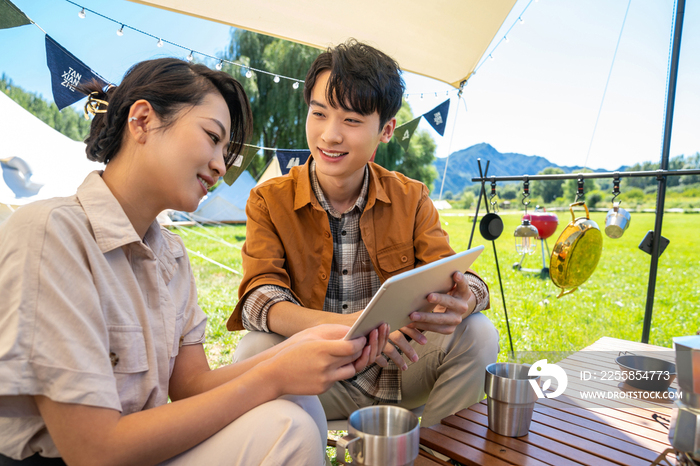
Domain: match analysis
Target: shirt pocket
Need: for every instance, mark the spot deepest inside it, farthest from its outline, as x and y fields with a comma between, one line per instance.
x=397, y=258
x=127, y=349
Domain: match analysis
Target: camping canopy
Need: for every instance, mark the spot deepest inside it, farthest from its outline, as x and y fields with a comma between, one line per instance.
x=441, y=39
x=37, y=162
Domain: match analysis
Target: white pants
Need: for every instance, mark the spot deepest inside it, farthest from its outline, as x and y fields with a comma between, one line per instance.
x=288, y=431
x=448, y=376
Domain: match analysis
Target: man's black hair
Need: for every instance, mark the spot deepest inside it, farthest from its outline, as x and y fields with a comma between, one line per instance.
x=363, y=80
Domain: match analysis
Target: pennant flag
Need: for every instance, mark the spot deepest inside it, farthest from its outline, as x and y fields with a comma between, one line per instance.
x=403, y=133
x=437, y=117
x=289, y=158
x=240, y=163
x=11, y=16
x=67, y=72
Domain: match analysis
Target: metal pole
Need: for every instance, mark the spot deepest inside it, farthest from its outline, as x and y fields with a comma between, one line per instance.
x=661, y=193
x=476, y=214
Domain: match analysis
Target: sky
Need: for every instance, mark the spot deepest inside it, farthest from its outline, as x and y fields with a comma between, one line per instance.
x=540, y=94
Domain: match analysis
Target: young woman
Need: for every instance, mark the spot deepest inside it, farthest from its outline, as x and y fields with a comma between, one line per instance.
x=99, y=322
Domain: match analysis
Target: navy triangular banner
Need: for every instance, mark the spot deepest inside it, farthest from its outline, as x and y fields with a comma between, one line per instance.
x=67, y=72
x=289, y=158
x=437, y=117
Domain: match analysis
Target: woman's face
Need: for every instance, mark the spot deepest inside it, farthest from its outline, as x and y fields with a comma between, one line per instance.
x=187, y=157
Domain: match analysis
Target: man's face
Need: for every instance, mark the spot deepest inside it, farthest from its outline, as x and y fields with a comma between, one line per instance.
x=341, y=141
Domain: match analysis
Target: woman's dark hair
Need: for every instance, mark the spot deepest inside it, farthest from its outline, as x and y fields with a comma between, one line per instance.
x=363, y=80
x=168, y=84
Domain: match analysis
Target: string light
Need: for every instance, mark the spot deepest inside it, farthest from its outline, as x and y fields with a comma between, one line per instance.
x=190, y=57
x=81, y=15
x=120, y=32
x=220, y=65
x=505, y=38
x=295, y=85
x=521, y=21
x=160, y=43
x=248, y=74
x=276, y=79
x=490, y=56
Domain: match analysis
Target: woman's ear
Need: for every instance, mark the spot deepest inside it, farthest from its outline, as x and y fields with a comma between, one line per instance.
x=388, y=130
x=140, y=120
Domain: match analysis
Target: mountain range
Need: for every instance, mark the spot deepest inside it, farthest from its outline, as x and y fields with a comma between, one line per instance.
x=462, y=166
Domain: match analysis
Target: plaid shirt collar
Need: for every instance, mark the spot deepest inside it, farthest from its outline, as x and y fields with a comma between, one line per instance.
x=360, y=203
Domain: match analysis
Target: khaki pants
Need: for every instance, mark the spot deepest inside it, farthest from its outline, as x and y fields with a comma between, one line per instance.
x=448, y=376
x=285, y=431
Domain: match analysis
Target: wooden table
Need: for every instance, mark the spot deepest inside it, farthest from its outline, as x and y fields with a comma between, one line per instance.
x=617, y=432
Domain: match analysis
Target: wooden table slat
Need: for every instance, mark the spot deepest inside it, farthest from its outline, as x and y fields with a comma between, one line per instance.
x=493, y=449
x=456, y=450
x=533, y=451
x=575, y=438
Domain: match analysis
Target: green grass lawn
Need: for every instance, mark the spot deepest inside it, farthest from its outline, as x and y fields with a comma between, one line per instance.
x=611, y=303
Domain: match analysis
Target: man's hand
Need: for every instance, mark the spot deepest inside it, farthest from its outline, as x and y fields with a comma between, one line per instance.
x=451, y=308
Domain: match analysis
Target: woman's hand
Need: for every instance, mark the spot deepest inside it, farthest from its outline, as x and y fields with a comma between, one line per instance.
x=314, y=359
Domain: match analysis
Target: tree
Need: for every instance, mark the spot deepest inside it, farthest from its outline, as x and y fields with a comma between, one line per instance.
x=67, y=121
x=548, y=190
x=417, y=163
x=279, y=111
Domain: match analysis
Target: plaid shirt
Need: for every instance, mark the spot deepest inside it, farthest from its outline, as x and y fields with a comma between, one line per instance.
x=351, y=285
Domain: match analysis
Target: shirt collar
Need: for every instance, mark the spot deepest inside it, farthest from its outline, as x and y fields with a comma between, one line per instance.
x=359, y=203
x=111, y=226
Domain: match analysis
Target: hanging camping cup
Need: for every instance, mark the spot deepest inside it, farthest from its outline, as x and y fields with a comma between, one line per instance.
x=491, y=226
x=576, y=253
x=617, y=221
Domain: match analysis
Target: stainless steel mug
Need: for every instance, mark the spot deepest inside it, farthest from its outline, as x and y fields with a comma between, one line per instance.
x=380, y=436
x=617, y=221
x=510, y=398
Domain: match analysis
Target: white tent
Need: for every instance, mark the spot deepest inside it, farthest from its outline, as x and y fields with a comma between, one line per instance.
x=442, y=39
x=225, y=204
x=273, y=170
x=37, y=162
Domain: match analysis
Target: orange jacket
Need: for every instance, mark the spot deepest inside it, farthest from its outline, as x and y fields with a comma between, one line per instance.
x=288, y=236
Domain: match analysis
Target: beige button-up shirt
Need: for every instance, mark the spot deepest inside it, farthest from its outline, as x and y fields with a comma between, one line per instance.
x=89, y=313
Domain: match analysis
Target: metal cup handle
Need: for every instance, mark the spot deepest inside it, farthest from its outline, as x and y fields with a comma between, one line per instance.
x=342, y=444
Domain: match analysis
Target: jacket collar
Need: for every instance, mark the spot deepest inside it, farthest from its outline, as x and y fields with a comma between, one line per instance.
x=304, y=195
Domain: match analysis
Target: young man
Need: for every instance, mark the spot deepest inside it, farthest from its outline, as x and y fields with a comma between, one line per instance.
x=321, y=240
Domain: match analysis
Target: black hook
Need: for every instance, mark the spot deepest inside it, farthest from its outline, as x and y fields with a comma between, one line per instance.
x=493, y=193
x=579, y=190
x=526, y=192
x=616, y=186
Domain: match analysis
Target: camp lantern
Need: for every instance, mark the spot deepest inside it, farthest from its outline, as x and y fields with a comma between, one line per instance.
x=526, y=238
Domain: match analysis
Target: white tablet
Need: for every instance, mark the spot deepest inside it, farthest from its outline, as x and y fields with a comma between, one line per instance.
x=407, y=292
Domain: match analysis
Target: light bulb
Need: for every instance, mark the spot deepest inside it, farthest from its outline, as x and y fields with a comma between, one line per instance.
x=490, y=56
x=522, y=21
x=120, y=32
x=421, y=95
x=220, y=65
x=160, y=43
x=81, y=15
x=276, y=79
x=505, y=38
x=525, y=238
x=248, y=74
x=190, y=57
x=295, y=85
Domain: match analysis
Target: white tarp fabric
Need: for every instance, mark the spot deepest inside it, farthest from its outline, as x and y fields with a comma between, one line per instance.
x=441, y=39
x=37, y=162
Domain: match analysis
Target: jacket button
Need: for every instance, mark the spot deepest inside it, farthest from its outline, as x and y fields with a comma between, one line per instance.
x=345, y=272
x=114, y=358
x=323, y=275
x=404, y=259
